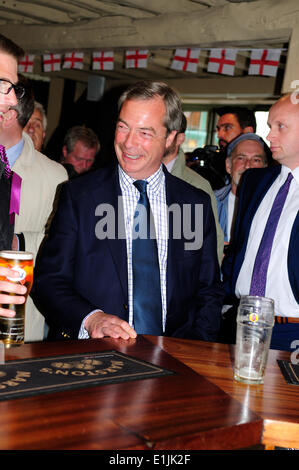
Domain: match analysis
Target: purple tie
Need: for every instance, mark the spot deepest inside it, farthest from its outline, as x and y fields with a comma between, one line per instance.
x=259, y=274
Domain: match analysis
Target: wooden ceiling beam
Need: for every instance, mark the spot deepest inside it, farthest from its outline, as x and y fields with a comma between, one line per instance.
x=231, y=24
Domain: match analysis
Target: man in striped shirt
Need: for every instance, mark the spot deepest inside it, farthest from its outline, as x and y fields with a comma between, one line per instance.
x=91, y=274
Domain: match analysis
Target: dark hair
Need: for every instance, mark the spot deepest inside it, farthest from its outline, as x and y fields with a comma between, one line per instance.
x=245, y=116
x=83, y=134
x=25, y=106
x=8, y=46
x=146, y=90
x=183, y=127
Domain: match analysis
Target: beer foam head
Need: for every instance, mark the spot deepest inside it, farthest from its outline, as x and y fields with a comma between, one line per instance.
x=10, y=254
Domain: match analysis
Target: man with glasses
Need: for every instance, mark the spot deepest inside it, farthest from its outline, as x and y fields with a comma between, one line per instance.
x=40, y=178
x=10, y=53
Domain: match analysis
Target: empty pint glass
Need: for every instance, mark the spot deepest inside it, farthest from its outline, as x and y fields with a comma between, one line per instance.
x=12, y=329
x=255, y=321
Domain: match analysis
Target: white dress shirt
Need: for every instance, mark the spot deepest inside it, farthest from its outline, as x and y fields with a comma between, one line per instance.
x=230, y=212
x=277, y=285
x=157, y=197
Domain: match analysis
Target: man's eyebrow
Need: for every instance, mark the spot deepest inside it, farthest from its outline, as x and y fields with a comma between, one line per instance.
x=151, y=129
x=122, y=120
x=224, y=124
x=240, y=154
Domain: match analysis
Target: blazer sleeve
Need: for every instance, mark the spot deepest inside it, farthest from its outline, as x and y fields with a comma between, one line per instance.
x=53, y=289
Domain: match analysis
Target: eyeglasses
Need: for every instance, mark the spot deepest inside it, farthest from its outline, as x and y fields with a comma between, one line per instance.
x=6, y=86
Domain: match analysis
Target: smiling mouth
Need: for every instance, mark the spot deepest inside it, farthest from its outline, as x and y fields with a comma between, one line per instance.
x=131, y=157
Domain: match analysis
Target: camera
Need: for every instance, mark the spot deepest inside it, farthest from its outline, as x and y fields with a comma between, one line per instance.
x=209, y=162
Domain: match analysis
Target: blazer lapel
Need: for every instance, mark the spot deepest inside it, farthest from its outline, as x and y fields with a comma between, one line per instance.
x=175, y=245
x=244, y=220
x=109, y=194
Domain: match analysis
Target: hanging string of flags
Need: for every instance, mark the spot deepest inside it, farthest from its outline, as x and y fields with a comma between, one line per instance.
x=221, y=61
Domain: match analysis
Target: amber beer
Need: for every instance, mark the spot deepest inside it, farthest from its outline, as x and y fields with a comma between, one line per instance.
x=12, y=330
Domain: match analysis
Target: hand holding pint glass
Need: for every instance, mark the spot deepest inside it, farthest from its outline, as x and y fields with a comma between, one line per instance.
x=16, y=278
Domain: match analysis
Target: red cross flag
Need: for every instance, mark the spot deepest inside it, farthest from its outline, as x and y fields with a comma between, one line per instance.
x=185, y=59
x=136, y=59
x=103, y=60
x=264, y=62
x=73, y=60
x=26, y=64
x=52, y=62
x=222, y=61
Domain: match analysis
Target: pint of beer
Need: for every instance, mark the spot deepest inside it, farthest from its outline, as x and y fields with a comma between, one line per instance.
x=12, y=330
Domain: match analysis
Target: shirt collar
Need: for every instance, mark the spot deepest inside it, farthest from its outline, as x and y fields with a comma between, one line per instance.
x=14, y=152
x=170, y=164
x=286, y=170
x=154, y=181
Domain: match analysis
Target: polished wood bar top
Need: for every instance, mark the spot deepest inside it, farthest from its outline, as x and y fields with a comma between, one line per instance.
x=275, y=401
x=179, y=411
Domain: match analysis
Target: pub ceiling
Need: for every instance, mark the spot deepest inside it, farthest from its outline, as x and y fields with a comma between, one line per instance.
x=158, y=25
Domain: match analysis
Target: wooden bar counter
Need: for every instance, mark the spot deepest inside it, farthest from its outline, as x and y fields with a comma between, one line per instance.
x=184, y=410
x=275, y=401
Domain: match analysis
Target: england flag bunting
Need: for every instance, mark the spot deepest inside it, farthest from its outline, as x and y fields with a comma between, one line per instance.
x=186, y=60
x=264, y=62
x=52, y=62
x=73, y=60
x=222, y=61
x=136, y=59
x=103, y=60
x=26, y=64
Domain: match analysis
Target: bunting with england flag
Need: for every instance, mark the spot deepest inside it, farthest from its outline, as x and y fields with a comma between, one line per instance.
x=264, y=62
x=136, y=59
x=222, y=61
x=186, y=60
x=103, y=60
x=73, y=60
x=52, y=62
x=26, y=64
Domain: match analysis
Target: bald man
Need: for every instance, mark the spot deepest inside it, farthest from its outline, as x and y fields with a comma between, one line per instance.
x=257, y=194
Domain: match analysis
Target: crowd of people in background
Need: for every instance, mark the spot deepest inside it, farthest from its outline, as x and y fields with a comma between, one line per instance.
x=90, y=287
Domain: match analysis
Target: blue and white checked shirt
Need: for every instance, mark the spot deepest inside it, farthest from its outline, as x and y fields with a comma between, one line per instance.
x=157, y=197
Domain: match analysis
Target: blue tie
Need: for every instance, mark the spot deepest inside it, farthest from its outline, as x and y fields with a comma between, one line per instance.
x=147, y=305
x=259, y=274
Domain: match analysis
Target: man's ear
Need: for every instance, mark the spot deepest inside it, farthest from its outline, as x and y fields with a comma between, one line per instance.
x=180, y=138
x=170, y=138
x=64, y=151
x=248, y=129
x=9, y=118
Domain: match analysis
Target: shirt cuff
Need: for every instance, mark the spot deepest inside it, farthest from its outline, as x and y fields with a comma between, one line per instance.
x=83, y=333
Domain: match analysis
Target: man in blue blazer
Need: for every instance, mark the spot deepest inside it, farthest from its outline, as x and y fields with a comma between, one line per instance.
x=83, y=278
x=258, y=191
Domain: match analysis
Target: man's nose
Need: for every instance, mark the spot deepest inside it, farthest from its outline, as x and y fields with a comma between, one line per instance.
x=131, y=139
x=248, y=163
x=270, y=135
x=220, y=132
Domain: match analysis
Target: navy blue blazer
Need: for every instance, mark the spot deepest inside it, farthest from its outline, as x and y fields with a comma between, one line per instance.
x=255, y=184
x=76, y=272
